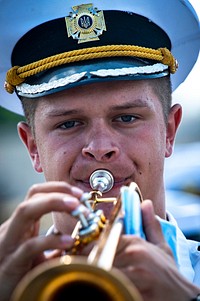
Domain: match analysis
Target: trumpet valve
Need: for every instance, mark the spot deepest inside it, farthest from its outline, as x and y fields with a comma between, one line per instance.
x=90, y=227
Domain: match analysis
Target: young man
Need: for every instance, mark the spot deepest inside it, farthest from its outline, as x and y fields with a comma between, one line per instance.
x=94, y=80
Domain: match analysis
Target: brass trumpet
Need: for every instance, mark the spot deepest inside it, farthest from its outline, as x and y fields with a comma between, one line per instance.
x=93, y=277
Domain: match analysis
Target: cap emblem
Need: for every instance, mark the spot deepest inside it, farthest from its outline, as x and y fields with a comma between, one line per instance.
x=85, y=23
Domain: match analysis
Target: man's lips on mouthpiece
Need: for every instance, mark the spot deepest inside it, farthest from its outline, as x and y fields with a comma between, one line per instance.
x=118, y=182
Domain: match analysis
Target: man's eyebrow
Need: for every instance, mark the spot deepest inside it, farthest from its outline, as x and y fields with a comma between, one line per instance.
x=57, y=113
x=128, y=105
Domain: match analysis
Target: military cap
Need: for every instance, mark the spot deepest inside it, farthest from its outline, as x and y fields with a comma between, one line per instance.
x=49, y=46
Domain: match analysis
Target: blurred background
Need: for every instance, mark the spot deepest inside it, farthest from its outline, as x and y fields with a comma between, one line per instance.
x=182, y=172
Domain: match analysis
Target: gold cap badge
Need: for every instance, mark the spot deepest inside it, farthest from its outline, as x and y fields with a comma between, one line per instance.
x=85, y=23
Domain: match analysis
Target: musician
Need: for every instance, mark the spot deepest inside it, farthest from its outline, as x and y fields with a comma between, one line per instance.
x=95, y=81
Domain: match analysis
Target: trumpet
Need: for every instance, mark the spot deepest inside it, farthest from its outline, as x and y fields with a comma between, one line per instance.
x=94, y=276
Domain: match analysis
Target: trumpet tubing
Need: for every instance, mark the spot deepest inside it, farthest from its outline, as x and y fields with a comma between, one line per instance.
x=94, y=276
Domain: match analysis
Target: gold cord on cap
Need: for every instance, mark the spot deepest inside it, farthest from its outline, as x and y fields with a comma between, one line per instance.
x=17, y=75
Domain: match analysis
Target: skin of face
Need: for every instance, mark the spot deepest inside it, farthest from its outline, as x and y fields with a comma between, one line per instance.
x=118, y=126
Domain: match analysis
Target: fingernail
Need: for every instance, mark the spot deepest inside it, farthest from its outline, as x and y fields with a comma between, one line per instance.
x=80, y=210
x=71, y=203
x=77, y=191
x=66, y=240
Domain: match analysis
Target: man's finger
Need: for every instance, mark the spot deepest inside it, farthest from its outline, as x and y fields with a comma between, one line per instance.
x=151, y=224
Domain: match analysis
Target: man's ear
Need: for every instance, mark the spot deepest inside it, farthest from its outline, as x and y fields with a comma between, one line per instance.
x=174, y=120
x=28, y=139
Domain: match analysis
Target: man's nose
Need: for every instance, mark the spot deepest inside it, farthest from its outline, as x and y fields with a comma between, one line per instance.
x=101, y=146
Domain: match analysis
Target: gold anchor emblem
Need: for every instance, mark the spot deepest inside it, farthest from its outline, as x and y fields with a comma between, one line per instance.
x=85, y=23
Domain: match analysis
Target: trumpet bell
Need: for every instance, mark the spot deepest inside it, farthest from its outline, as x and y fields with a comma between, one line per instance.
x=58, y=280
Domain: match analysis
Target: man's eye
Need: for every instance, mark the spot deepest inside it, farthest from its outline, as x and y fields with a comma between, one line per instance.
x=126, y=118
x=69, y=124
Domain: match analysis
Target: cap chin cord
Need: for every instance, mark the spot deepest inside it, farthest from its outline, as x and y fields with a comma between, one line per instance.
x=17, y=75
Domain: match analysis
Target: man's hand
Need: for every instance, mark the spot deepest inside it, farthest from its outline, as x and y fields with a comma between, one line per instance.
x=150, y=265
x=21, y=246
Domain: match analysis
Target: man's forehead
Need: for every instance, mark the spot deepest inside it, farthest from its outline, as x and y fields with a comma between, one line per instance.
x=121, y=94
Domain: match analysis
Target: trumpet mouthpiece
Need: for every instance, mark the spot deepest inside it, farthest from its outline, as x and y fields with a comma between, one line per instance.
x=101, y=180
